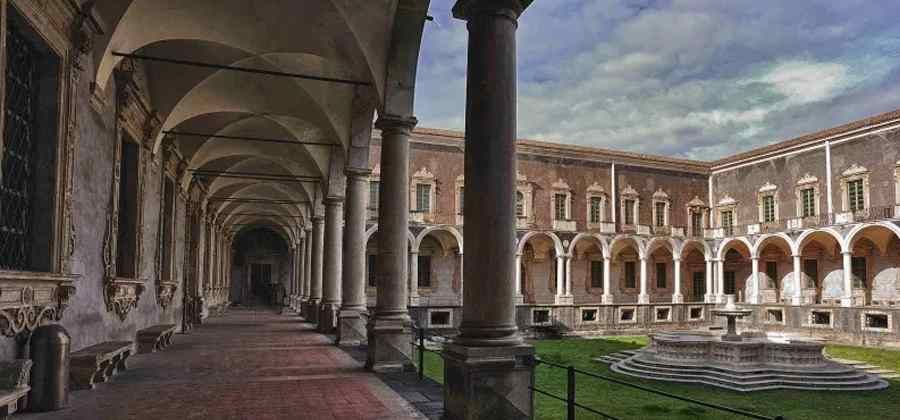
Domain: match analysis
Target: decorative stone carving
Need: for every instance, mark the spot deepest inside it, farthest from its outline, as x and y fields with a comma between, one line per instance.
x=165, y=292
x=29, y=299
x=727, y=200
x=768, y=187
x=122, y=296
x=807, y=179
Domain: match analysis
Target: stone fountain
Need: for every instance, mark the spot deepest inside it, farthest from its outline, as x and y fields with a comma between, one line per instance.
x=750, y=361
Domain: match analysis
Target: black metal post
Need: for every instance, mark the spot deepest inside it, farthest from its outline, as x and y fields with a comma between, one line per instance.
x=570, y=393
x=421, y=354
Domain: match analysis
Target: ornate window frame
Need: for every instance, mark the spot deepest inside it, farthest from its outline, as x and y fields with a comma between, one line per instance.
x=31, y=298
x=595, y=191
x=696, y=205
x=527, y=189
x=629, y=193
x=458, y=197
x=767, y=190
x=423, y=177
x=853, y=173
x=727, y=203
x=560, y=187
x=807, y=182
x=661, y=196
x=173, y=167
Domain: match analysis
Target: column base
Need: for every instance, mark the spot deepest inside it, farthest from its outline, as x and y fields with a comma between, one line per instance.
x=565, y=300
x=709, y=298
x=607, y=299
x=312, y=311
x=328, y=317
x=351, y=328
x=644, y=298
x=488, y=382
x=519, y=299
x=720, y=299
x=415, y=300
x=847, y=302
x=678, y=298
x=389, y=344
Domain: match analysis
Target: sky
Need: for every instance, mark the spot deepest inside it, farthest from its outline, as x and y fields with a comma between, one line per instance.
x=699, y=79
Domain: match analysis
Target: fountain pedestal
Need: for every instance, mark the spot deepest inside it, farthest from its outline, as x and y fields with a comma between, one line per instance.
x=731, y=313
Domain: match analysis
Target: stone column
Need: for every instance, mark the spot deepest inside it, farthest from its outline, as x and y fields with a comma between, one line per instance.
x=754, y=277
x=644, y=297
x=304, y=279
x=720, y=281
x=389, y=329
x=352, y=324
x=560, y=279
x=798, y=281
x=414, y=277
x=301, y=271
x=847, y=300
x=488, y=369
x=519, y=297
x=568, y=260
x=607, y=297
x=677, y=296
x=709, y=296
x=331, y=269
x=315, y=281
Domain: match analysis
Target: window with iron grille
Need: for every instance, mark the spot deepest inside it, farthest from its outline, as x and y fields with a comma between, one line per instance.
x=696, y=223
x=808, y=202
x=596, y=203
x=660, y=214
x=768, y=205
x=168, y=225
x=629, y=212
x=596, y=273
x=424, y=262
x=520, y=204
x=28, y=150
x=559, y=210
x=373, y=194
x=728, y=222
x=855, y=197
x=661, y=279
x=129, y=200
x=423, y=197
x=630, y=281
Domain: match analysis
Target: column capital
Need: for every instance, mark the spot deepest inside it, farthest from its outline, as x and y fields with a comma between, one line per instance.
x=467, y=9
x=318, y=219
x=395, y=124
x=333, y=199
x=754, y=258
x=352, y=172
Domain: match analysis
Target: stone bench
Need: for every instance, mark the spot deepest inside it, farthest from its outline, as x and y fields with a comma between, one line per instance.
x=155, y=338
x=98, y=363
x=14, y=378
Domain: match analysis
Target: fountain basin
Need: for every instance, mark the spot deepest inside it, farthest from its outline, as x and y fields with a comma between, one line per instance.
x=748, y=351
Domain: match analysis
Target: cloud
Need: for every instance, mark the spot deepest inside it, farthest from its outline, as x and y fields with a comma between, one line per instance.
x=699, y=78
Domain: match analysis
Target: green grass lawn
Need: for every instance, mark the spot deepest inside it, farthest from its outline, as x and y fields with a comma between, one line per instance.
x=628, y=403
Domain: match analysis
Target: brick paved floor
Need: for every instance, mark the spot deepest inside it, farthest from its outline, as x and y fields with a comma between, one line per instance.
x=248, y=364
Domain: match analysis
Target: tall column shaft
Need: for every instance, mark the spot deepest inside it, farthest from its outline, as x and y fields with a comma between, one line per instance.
x=560, y=277
x=352, y=329
x=709, y=295
x=720, y=281
x=331, y=269
x=607, y=281
x=568, y=276
x=847, y=300
x=316, y=256
x=388, y=330
x=413, y=277
x=754, y=277
x=643, y=297
x=797, y=293
x=677, y=296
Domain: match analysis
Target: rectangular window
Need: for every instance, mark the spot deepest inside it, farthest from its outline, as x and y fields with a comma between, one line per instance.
x=730, y=284
x=698, y=285
x=168, y=225
x=559, y=209
x=768, y=207
x=595, y=209
x=772, y=273
x=855, y=198
x=596, y=273
x=373, y=194
x=28, y=150
x=858, y=270
x=811, y=269
x=520, y=204
x=126, y=243
x=424, y=270
x=660, y=214
x=629, y=212
x=630, y=282
x=423, y=197
x=696, y=223
x=728, y=222
x=808, y=202
x=661, y=280
x=372, y=270
x=462, y=201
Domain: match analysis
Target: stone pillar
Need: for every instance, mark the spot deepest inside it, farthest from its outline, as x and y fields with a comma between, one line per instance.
x=352, y=323
x=389, y=329
x=643, y=297
x=709, y=296
x=720, y=281
x=560, y=280
x=331, y=270
x=414, y=277
x=798, y=282
x=607, y=297
x=847, y=300
x=568, y=260
x=520, y=299
x=307, y=286
x=677, y=296
x=488, y=368
x=315, y=281
x=301, y=271
x=753, y=298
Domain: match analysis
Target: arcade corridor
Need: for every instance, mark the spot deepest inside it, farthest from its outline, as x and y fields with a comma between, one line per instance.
x=242, y=365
